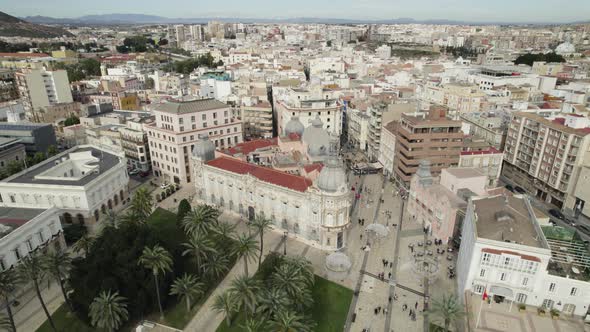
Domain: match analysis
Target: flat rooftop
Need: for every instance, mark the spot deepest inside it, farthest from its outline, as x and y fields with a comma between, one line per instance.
x=506, y=218
x=465, y=172
x=12, y=218
x=105, y=162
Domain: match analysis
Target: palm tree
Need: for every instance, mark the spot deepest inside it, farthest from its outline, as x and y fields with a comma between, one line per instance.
x=253, y=325
x=8, y=282
x=225, y=230
x=224, y=304
x=287, y=278
x=448, y=309
x=272, y=301
x=57, y=264
x=31, y=269
x=244, y=290
x=83, y=244
x=142, y=204
x=303, y=268
x=111, y=219
x=159, y=261
x=216, y=266
x=288, y=321
x=261, y=224
x=108, y=311
x=245, y=247
x=200, y=246
x=200, y=220
x=187, y=287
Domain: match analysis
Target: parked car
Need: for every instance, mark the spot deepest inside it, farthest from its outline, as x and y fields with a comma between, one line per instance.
x=557, y=214
x=164, y=186
x=144, y=174
x=134, y=172
x=584, y=229
x=509, y=187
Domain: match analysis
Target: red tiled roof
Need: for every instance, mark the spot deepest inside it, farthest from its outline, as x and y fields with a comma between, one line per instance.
x=264, y=174
x=312, y=167
x=560, y=121
x=23, y=55
x=251, y=146
x=491, y=150
x=499, y=252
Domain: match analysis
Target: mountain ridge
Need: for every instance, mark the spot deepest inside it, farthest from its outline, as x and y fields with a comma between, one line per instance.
x=121, y=18
x=11, y=26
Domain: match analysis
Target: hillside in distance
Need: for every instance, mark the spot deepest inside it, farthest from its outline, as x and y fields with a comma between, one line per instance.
x=11, y=26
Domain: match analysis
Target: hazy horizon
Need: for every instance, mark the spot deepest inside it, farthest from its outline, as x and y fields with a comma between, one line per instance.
x=457, y=10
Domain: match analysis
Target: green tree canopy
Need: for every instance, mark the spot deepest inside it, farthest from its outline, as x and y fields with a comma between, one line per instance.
x=530, y=58
x=72, y=120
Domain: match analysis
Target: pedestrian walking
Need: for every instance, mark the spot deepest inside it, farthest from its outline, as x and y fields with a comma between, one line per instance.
x=391, y=265
x=416, y=306
x=389, y=299
x=389, y=275
x=361, y=236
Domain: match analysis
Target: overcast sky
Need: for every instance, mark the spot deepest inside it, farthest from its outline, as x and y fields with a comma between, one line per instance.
x=467, y=10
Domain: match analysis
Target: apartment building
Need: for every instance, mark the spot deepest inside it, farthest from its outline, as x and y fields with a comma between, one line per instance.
x=41, y=88
x=381, y=113
x=426, y=135
x=307, y=104
x=178, y=126
x=357, y=131
x=257, y=120
x=487, y=161
x=387, y=148
x=545, y=156
x=489, y=126
x=134, y=140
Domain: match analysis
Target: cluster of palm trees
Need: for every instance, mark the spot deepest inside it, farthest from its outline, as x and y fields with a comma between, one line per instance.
x=35, y=269
x=277, y=302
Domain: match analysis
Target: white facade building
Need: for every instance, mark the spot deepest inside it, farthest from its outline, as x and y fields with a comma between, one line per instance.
x=504, y=250
x=82, y=182
x=24, y=230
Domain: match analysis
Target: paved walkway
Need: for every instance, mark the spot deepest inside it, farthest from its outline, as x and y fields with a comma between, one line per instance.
x=28, y=315
x=500, y=317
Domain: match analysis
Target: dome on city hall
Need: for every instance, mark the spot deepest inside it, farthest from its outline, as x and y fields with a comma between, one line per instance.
x=338, y=261
x=565, y=48
x=332, y=176
x=316, y=138
x=204, y=149
x=294, y=126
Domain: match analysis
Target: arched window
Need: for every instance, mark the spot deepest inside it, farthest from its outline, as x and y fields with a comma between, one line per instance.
x=103, y=209
x=80, y=218
x=116, y=199
x=110, y=203
x=67, y=218
x=96, y=215
x=121, y=196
